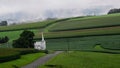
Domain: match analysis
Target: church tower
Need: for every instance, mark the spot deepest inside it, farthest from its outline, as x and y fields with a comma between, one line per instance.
x=40, y=45
x=43, y=42
x=42, y=37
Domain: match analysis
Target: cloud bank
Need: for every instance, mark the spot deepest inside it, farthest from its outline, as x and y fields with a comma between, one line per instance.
x=26, y=10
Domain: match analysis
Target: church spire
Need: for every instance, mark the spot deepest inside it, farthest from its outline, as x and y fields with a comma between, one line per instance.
x=42, y=37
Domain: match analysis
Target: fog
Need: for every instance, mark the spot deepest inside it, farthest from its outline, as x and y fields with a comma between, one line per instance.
x=41, y=9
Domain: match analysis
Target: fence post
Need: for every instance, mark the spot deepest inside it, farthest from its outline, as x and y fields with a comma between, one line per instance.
x=68, y=45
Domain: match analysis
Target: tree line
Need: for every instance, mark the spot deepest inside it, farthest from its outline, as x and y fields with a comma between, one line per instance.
x=3, y=23
x=25, y=40
x=111, y=11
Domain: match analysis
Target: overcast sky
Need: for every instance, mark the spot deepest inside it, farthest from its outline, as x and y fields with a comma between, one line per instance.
x=57, y=8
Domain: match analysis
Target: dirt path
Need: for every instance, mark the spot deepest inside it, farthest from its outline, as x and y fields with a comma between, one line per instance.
x=41, y=60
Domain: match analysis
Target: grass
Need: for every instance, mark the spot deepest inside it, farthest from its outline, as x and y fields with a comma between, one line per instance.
x=25, y=59
x=73, y=33
x=87, y=22
x=12, y=35
x=78, y=59
x=98, y=47
x=7, y=52
x=84, y=43
x=34, y=25
x=81, y=33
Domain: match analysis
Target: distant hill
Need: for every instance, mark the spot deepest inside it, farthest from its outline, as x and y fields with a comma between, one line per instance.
x=71, y=27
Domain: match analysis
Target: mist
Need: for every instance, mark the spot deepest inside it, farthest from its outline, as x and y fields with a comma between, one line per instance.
x=35, y=10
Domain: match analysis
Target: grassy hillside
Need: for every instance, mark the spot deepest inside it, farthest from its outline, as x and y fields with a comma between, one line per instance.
x=82, y=33
x=87, y=22
x=84, y=60
x=84, y=43
x=34, y=25
x=12, y=35
x=69, y=24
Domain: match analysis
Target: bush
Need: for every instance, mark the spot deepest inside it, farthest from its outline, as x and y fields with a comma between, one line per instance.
x=26, y=51
x=8, y=54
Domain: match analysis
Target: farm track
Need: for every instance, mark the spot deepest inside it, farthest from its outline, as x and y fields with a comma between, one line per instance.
x=41, y=60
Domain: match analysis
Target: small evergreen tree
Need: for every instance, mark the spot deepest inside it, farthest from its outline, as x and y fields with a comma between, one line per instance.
x=25, y=40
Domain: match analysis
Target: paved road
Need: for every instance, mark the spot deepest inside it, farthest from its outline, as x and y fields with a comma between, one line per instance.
x=41, y=60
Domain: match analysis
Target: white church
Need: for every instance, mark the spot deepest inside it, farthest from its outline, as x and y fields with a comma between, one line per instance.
x=40, y=45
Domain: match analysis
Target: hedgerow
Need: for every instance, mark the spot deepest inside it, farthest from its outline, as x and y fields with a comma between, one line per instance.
x=12, y=54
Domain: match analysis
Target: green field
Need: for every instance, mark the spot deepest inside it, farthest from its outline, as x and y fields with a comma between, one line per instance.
x=77, y=59
x=12, y=35
x=84, y=43
x=74, y=23
x=88, y=42
x=35, y=25
x=87, y=22
x=81, y=33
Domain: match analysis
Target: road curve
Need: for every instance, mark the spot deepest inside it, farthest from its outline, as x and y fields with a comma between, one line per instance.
x=41, y=60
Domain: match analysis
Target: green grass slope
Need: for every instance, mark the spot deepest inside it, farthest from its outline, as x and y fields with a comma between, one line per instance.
x=82, y=33
x=110, y=42
x=24, y=60
x=70, y=24
x=87, y=22
x=34, y=25
x=84, y=60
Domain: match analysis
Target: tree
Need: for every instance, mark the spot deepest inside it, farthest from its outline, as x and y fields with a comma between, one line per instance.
x=3, y=23
x=114, y=11
x=25, y=40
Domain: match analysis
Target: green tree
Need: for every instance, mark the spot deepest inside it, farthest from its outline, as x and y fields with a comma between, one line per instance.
x=3, y=23
x=25, y=40
x=114, y=11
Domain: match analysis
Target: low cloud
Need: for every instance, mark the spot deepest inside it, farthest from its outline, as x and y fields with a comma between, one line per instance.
x=56, y=8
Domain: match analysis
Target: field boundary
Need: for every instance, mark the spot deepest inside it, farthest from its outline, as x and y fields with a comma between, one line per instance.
x=117, y=25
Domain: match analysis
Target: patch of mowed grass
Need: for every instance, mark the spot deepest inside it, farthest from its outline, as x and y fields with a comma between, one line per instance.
x=24, y=60
x=87, y=22
x=77, y=59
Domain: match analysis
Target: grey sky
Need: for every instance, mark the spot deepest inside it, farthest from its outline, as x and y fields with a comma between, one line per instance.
x=56, y=8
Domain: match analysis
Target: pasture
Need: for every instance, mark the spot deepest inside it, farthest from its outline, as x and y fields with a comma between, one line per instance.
x=87, y=23
x=73, y=38
x=35, y=25
x=81, y=33
x=89, y=42
x=78, y=59
x=84, y=43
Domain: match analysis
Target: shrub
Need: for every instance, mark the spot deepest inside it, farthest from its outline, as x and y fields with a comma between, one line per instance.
x=8, y=54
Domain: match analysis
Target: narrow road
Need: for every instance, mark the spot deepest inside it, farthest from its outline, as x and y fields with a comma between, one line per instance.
x=41, y=60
